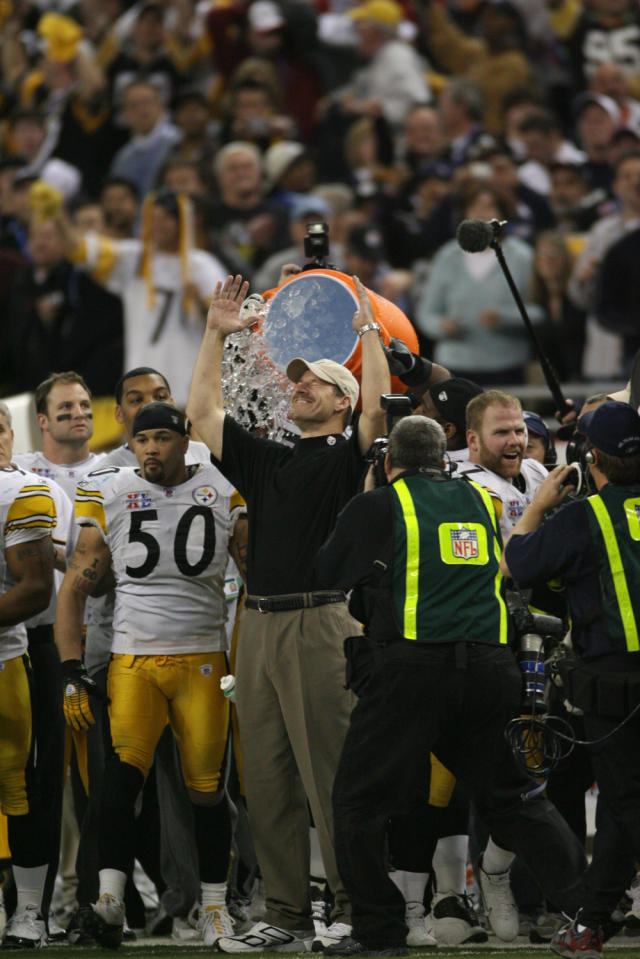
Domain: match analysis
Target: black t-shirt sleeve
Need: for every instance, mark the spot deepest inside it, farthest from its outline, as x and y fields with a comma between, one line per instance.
x=244, y=456
x=556, y=548
x=362, y=535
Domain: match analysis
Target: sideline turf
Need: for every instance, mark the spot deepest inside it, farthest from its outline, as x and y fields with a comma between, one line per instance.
x=617, y=949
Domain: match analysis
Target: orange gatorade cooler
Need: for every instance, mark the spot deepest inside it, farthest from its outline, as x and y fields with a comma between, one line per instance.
x=311, y=313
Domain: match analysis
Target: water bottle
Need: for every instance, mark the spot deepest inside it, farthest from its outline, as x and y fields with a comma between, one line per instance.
x=228, y=687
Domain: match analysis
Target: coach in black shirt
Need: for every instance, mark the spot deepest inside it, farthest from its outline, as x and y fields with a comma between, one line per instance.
x=293, y=709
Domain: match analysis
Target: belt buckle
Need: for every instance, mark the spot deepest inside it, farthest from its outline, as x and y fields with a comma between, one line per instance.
x=260, y=609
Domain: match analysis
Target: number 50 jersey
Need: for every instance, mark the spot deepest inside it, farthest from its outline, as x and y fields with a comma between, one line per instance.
x=169, y=554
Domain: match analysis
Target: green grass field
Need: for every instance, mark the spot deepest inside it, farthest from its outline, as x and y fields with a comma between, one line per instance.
x=618, y=948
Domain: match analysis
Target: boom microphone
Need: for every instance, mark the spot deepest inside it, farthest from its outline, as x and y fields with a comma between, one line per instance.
x=474, y=236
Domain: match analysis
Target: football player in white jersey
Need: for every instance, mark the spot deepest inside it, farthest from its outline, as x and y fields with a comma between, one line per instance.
x=164, y=281
x=166, y=531
x=48, y=720
x=27, y=518
x=497, y=439
x=63, y=410
x=135, y=389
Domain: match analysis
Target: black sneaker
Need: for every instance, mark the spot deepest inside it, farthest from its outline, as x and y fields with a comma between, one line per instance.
x=80, y=928
x=452, y=920
x=108, y=921
x=351, y=947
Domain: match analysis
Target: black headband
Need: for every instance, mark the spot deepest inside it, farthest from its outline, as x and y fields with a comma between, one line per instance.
x=158, y=416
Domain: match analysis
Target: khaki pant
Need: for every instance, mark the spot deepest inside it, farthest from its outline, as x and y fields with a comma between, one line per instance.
x=293, y=713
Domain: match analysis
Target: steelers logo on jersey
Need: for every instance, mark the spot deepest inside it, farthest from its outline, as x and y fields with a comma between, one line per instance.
x=205, y=495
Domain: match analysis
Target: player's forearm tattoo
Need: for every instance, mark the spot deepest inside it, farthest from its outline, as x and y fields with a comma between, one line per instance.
x=41, y=550
x=239, y=552
x=85, y=581
x=38, y=547
x=78, y=560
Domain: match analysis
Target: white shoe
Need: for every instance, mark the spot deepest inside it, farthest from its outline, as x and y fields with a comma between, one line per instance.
x=319, y=916
x=25, y=930
x=108, y=927
x=187, y=930
x=418, y=934
x=330, y=935
x=633, y=892
x=264, y=937
x=215, y=922
x=499, y=904
x=55, y=932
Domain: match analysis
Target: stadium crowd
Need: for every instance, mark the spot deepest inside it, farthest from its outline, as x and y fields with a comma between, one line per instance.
x=161, y=161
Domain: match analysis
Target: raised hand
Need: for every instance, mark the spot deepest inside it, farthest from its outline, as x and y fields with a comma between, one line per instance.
x=224, y=309
x=364, y=314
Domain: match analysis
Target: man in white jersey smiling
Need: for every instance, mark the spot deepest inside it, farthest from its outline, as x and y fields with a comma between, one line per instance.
x=497, y=438
x=166, y=530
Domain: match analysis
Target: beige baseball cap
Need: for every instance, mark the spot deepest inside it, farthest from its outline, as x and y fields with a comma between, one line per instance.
x=330, y=372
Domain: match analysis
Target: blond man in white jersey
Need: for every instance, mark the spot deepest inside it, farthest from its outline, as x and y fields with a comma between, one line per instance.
x=497, y=439
x=63, y=410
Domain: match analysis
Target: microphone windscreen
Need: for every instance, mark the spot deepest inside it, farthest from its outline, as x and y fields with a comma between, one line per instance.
x=474, y=235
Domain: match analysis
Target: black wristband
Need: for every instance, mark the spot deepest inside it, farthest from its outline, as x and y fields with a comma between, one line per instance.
x=72, y=670
x=419, y=373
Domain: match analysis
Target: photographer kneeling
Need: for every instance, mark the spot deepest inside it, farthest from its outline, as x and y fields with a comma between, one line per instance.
x=593, y=546
x=423, y=557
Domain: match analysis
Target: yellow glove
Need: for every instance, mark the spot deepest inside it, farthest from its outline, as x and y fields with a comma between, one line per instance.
x=44, y=201
x=76, y=687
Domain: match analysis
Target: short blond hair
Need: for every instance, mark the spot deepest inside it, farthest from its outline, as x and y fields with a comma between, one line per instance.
x=477, y=407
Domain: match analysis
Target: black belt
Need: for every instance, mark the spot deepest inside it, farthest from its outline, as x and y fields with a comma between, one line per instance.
x=278, y=604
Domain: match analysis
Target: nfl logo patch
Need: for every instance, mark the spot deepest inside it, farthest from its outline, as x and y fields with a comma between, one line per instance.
x=207, y=669
x=464, y=543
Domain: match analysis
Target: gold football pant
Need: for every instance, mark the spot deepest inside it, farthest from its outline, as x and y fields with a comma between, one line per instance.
x=15, y=736
x=147, y=692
